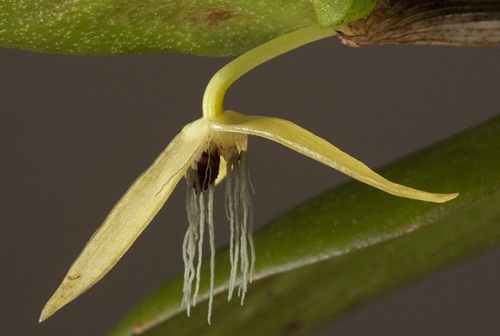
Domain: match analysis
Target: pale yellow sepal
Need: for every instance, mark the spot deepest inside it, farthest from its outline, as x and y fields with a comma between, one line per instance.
x=130, y=216
x=306, y=143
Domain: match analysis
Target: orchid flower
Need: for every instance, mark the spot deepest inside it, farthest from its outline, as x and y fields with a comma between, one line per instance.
x=204, y=152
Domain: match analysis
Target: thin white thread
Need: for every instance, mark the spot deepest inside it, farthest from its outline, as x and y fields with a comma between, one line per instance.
x=210, y=220
x=239, y=210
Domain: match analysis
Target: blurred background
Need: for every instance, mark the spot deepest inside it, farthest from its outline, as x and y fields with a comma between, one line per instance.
x=76, y=131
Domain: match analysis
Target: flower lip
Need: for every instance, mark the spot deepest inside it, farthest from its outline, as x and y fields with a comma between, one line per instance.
x=207, y=166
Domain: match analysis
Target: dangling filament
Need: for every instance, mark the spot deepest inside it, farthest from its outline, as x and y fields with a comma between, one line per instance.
x=199, y=207
x=239, y=211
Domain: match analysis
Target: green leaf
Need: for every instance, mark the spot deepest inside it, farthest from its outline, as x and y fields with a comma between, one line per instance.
x=348, y=246
x=201, y=27
x=334, y=12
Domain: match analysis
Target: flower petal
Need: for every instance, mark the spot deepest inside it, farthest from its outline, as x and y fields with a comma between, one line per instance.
x=300, y=140
x=130, y=216
x=222, y=171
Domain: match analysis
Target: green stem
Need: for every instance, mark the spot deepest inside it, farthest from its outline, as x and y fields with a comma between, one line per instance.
x=213, y=99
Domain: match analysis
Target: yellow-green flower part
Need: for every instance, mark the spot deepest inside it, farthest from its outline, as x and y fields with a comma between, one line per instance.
x=217, y=142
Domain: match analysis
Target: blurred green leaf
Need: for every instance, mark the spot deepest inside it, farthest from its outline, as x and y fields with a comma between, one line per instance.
x=348, y=246
x=201, y=27
x=334, y=12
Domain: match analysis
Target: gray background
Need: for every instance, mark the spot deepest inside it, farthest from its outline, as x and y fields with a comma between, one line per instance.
x=76, y=131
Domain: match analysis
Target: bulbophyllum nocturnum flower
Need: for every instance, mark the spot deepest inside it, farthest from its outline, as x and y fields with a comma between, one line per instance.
x=206, y=151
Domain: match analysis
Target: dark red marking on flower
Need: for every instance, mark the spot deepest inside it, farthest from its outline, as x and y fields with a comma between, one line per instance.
x=208, y=168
